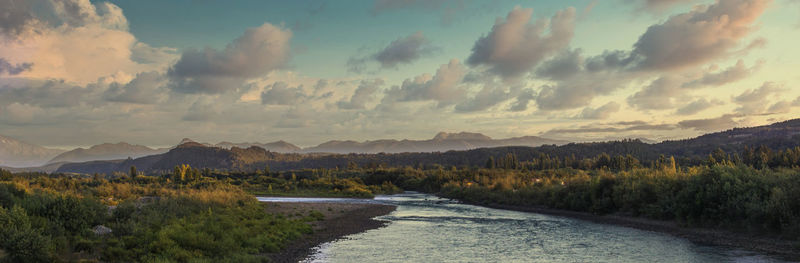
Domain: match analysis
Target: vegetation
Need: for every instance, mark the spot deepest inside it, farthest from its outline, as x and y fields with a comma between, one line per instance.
x=759, y=195
x=56, y=218
x=189, y=214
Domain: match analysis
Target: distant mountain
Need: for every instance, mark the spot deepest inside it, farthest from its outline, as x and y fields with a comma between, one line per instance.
x=690, y=151
x=106, y=151
x=15, y=153
x=278, y=146
x=191, y=153
x=440, y=143
x=187, y=140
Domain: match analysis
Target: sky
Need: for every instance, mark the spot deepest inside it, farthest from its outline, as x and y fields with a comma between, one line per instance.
x=150, y=72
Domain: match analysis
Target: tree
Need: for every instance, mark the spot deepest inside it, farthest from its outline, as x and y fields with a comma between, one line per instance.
x=180, y=172
x=134, y=172
x=20, y=241
x=490, y=163
x=352, y=165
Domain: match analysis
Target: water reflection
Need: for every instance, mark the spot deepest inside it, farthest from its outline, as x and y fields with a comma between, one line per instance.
x=425, y=228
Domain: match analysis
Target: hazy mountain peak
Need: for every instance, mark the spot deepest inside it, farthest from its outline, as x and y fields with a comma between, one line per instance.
x=105, y=151
x=17, y=153
x=186, y=140
x=460, y=136
x=114, y=145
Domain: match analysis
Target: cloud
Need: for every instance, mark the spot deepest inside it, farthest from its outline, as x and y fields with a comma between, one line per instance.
x=404, y=50
x=27, y=16
x=6, y=67
x=203, y=109
x=758, y=95
x=45, y=94
x=563, y=66
x=74, y=40
x=754, y=101
x=78, y=13
x=661, y=93
x=442, y=87
x=146, y=88
x=576, y=81
x=729, y=75
x=714, y=124
x=780, y=107
x=702, y=35
x=488, y=96
x=20, y=114
x=658, y=6
x=296, y=117
x=362, y=95
x=144, y=53
x=697, y=105
x=658, y=95
x=602, y=112
x=579, y=90
x=257, y=52
x=603, y=129
x=629, y=123
x=279, y=93
x=16, y=15
x=521, y=103
x=514, y=45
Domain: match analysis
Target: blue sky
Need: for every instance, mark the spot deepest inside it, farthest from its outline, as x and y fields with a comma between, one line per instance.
x=311, y=71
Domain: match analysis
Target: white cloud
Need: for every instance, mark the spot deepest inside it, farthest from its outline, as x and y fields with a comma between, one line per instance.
x=257, y=52
x=602, y=112
x=514, y=45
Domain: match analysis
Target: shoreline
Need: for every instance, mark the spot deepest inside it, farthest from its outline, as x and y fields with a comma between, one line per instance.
x=341, y=219
x=782, y=249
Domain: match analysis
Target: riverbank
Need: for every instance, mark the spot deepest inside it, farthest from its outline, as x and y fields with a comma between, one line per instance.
x=785, y=249
x=340, y=219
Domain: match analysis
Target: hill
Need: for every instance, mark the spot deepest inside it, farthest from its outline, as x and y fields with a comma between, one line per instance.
x=278, y=146
x=105, y=151
x=191, y=153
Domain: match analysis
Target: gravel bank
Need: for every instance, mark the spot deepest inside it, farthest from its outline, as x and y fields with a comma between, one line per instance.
x=340, y=220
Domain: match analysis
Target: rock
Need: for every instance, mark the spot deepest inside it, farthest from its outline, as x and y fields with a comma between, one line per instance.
x=101, y=230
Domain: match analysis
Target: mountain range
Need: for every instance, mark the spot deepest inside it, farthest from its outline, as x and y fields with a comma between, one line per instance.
x=441, y=142
x=690, y=151
x=14, y=153
x=106, y=151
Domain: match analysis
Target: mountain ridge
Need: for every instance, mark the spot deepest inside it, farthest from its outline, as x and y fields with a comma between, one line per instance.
x=441, y=142
x=17, y=153
x=105, y=151
x=689, y=151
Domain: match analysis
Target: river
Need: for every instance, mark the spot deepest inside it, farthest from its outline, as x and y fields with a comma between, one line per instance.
x=425, y=228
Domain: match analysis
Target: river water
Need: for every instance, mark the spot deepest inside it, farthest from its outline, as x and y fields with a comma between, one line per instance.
x=425, y=228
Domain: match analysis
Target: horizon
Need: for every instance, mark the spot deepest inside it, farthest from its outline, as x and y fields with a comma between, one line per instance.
x=79, y=73
x=73, y=147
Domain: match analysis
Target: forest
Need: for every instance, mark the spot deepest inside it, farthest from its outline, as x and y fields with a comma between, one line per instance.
x=191, y=214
